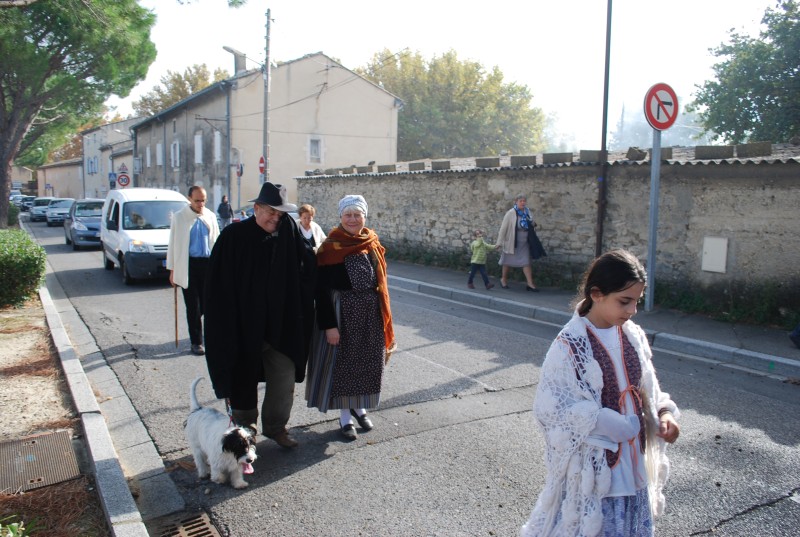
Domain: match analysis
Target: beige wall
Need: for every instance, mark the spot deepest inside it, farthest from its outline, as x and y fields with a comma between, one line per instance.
x=311, y=98
x=63, y=178
x=753, y=207
x=23, y=175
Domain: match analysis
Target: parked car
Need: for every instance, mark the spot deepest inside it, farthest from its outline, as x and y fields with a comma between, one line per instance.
x=57, y=210
x=27, y=203
x=16, y=199
x=39, y=208
x=242, y=213
x=134, y=230
x=82, y=224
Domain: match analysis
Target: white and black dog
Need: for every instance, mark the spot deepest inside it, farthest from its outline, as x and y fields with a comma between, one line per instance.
x=225, y=450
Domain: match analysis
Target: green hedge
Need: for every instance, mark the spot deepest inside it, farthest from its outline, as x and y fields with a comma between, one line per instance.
x=13, y=214
x=22, y=264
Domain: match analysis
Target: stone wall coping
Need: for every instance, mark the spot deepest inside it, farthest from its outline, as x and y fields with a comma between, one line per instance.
x=746, y=154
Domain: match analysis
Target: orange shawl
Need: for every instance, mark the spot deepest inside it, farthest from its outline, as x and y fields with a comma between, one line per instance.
x=339, y=245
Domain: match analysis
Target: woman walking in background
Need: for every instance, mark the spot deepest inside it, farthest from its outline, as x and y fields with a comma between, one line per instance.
x=354, y=336
x=605, y=420
x=513, y=238
x=310, y=229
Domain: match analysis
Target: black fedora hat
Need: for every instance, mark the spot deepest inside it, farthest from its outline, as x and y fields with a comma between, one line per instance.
x=275, y=197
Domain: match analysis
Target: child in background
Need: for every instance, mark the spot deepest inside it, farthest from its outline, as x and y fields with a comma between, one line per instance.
x=605, y=420
x=480, y=249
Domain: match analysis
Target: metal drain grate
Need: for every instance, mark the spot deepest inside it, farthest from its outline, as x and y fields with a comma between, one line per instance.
x=185, y=525
x=37, y=461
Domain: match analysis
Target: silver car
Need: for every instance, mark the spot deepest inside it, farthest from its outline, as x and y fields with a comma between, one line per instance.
x=57, y=210
x=82, y=225
x=39, y=208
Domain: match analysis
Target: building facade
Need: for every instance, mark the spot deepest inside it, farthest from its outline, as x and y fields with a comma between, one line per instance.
x=321, y=115
x=107, y=155
x=62, y=179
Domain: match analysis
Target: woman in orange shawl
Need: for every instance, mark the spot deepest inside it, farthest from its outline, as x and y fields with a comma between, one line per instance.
x=354, y=336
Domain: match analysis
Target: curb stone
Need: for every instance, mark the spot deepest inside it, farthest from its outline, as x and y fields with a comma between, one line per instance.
x=122, y=514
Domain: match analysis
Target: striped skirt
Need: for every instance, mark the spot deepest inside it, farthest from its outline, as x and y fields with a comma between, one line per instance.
x=348, y=375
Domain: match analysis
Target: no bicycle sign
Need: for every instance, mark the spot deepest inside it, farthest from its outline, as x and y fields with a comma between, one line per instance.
x=661, y=106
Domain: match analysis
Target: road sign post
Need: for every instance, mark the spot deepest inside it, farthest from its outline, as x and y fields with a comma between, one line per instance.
x=661, y=111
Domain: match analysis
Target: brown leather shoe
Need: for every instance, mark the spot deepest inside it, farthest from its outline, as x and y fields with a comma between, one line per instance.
x=283, y=439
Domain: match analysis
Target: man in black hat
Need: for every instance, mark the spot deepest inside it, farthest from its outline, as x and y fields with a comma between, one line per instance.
x=259, y=313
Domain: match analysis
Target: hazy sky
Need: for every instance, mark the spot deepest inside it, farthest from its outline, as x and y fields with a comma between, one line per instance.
x=556, y=47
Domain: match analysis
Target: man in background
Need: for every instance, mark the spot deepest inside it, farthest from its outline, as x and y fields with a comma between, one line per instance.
x=224, y=212
x=192, y=235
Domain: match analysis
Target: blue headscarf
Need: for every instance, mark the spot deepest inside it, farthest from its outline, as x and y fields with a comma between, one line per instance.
x=524, y=217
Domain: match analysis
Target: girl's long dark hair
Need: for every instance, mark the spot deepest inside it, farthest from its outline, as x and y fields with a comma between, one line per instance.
x=611, y=272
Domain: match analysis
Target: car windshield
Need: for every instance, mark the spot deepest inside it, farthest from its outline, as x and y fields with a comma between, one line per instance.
x=41, y=203
x=89, y=208
x=150, y=214
x=61, y=204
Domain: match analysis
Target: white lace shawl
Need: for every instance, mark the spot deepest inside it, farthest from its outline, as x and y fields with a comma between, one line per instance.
x=566, y=406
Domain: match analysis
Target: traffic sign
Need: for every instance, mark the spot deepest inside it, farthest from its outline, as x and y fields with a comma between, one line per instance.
x=661, y=106
x=239, y=170
x=123, y=179
x=262, y=164
x=123, y=168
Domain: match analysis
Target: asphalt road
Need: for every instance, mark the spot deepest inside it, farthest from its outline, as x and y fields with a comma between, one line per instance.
x=454, y=451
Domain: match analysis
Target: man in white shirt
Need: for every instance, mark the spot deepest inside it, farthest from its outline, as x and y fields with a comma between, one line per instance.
x=192, y=235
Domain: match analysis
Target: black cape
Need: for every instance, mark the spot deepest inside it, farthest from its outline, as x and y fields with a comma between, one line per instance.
x=259, y=287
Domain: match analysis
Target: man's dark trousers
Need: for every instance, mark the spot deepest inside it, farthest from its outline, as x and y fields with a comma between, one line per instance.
x=194, y=298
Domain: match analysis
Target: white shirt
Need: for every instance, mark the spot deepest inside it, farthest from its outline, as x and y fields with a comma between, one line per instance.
x=626, y=478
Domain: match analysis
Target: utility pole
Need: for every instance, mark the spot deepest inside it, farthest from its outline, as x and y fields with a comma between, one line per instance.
x=266, y=105
x=602, y=198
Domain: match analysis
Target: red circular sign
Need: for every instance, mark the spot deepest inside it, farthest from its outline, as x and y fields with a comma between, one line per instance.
x=661, y=106
x=262, y=165
x=123, y=179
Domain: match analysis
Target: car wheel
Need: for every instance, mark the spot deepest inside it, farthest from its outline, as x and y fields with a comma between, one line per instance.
x=75, y=247
x=126, y=277
x=107, y=263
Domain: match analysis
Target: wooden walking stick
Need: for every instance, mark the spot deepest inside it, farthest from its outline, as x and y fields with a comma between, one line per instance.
x=175, y=303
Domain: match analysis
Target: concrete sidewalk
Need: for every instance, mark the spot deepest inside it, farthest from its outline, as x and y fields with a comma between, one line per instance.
x=765, y=350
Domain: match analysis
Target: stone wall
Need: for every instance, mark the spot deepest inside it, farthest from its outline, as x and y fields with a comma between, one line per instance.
x=755, y=206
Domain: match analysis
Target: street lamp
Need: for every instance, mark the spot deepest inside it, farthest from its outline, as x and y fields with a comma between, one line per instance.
x=239, y=59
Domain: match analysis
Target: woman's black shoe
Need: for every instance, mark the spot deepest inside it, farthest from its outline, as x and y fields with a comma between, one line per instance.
x=349, y=431
x=363, y=421
x=532, y=289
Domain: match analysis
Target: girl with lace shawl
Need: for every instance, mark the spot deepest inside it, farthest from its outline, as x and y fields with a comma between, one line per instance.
x=605, y=420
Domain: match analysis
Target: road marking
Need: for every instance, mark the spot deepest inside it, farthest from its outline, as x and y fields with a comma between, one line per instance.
x=459, y=373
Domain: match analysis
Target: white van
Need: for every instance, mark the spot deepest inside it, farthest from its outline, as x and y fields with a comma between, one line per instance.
x=134, y=230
